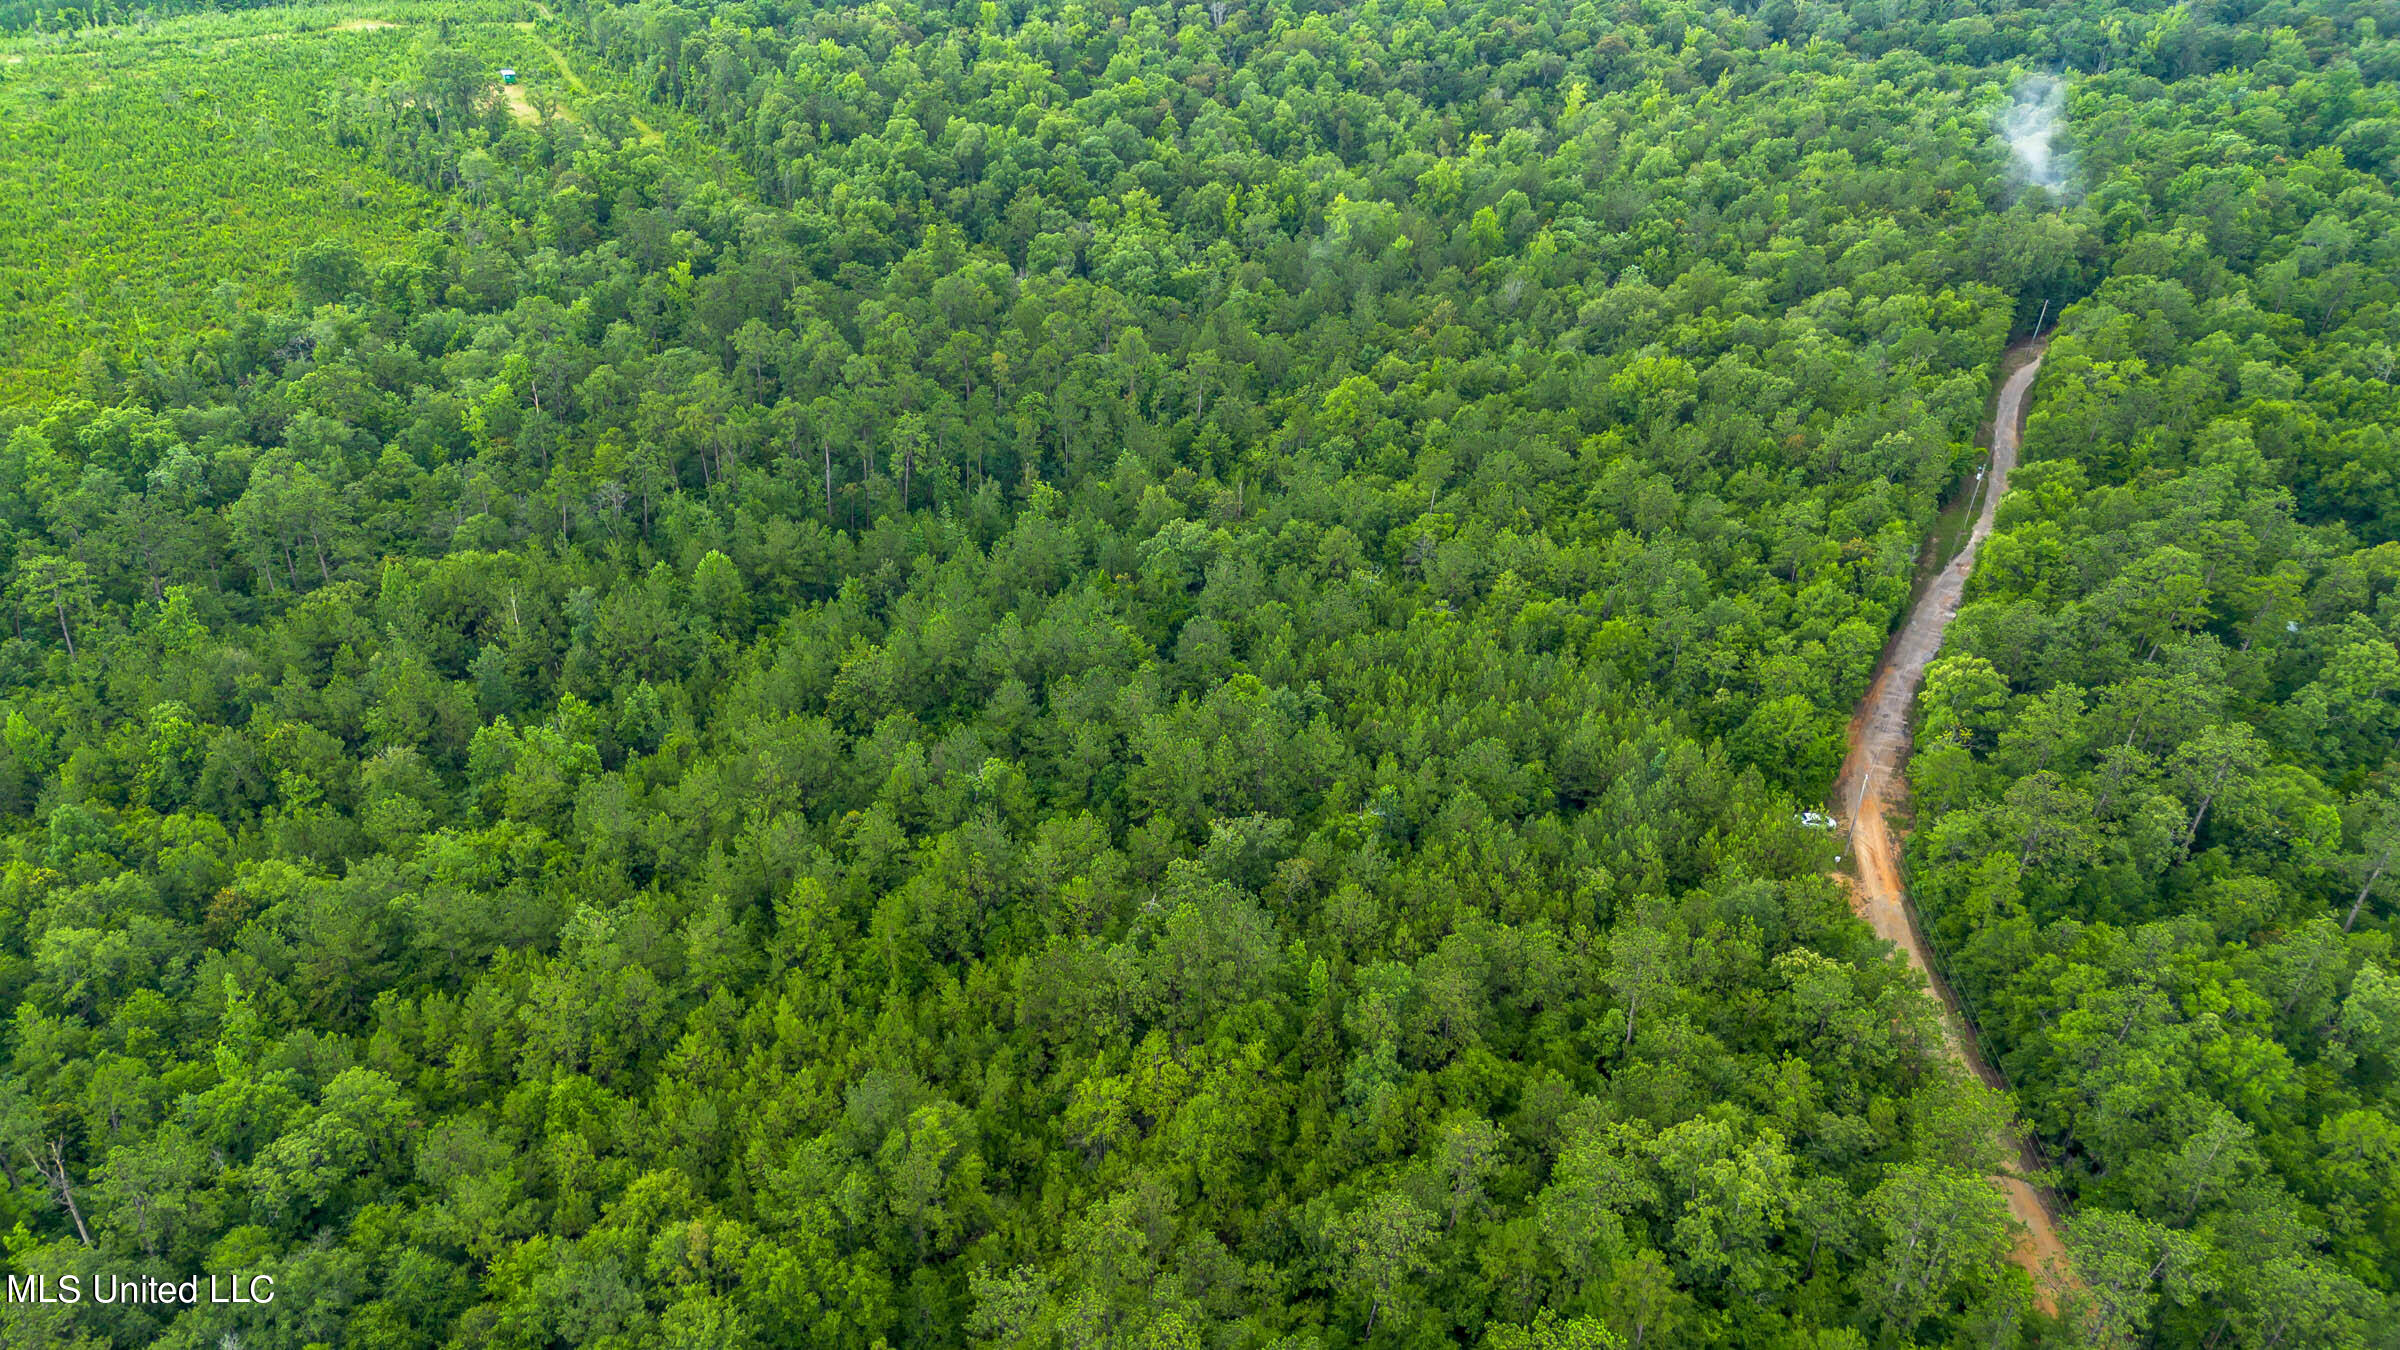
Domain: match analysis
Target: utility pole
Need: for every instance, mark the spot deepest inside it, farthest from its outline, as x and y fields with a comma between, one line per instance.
x=2037, y=323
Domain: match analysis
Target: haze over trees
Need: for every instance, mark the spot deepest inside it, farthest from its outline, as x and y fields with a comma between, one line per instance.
x=1057, y=674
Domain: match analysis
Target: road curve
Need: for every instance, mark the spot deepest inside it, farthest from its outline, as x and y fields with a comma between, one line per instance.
x=1871, y=785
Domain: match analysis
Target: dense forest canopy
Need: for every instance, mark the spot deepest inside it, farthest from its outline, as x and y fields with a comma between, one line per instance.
x=2157, y=771
x=1053, y=674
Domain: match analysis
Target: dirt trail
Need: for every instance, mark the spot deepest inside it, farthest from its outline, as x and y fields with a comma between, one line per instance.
x=1871, y=785
x=567, y=73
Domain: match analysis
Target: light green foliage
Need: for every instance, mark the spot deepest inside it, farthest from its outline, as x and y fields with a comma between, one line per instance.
x=157, y=183
x=1550, y=1332
x=183, y=177
x=1050, y=675
x=2163, y=883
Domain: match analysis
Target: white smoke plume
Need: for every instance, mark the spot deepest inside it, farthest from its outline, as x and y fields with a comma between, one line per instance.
x=2031, y=122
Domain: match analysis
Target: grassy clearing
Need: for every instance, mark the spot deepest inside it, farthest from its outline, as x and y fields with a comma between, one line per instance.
x=141, y=173
x=154, y=173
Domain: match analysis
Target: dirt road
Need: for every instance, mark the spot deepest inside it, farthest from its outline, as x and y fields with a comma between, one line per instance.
x=1871, y=785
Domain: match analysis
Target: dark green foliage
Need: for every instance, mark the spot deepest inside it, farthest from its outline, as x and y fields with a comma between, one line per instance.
x=1100, y=676
x=2156, y=771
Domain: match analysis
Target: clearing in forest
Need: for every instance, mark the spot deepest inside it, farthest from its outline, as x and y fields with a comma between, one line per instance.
x=157, y=175
x=146, y=172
